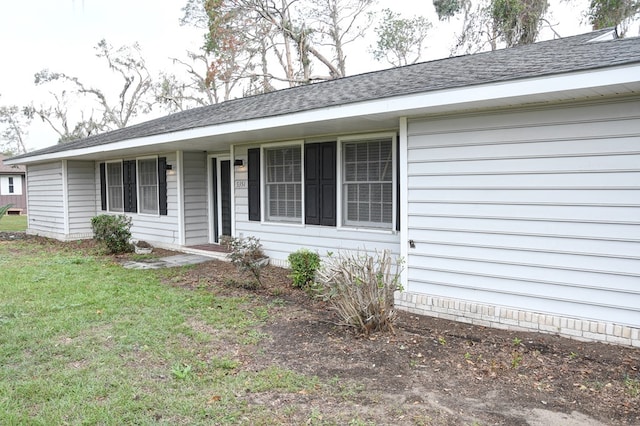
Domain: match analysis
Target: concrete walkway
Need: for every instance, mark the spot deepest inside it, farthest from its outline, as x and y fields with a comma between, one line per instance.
x=167, y=262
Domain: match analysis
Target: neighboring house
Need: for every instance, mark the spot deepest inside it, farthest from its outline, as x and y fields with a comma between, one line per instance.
x=509, y=181
x=13, y=187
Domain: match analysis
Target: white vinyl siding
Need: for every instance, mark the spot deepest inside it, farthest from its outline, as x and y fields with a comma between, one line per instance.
x=196, y=220
x=81, y=197
x=46, y=195
x=534, y=209
x=148, y=185
x=283, y=184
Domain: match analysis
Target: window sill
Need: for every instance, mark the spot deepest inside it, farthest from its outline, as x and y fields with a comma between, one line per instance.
x=289, y=224
x=351, y=228
x=336, y=228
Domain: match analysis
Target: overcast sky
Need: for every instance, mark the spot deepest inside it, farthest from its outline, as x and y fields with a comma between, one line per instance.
x=61, y=35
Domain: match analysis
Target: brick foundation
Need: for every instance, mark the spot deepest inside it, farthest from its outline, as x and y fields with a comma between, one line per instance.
x=518, y=320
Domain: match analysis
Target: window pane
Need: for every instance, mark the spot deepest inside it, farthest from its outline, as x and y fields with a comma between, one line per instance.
x=148, y=186
x=284, y=184
x=368, y=183
x=114, y=187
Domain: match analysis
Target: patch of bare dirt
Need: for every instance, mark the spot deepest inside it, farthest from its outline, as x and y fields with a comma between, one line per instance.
x=433, y=371
x=13, y=235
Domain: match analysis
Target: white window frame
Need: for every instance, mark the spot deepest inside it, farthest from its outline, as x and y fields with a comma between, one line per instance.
x=9, y=182
x=341, y=201
x=109, y=207
x=139, y=197
x=266, y=218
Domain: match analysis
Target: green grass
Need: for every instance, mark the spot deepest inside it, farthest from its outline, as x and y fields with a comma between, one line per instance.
x=632, y=386
x=84, y=341
x=10, y=223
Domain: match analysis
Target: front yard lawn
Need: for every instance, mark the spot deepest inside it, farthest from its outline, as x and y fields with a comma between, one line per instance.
x=85, y=341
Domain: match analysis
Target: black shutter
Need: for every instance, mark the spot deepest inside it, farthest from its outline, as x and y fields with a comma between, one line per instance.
x=328, y=183
x=253, y=165
x=103, y=186
x=130, y=187
x=162, y=185
x=320, y=183
x=312, y=184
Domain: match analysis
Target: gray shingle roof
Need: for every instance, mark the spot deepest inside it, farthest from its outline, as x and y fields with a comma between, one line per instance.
x=540, y=59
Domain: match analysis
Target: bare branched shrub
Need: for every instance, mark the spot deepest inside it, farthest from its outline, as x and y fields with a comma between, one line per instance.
x=246, y=253
x=361, y=287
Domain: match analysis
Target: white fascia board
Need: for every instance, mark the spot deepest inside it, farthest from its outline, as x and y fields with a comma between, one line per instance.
x=482, y=95
x=488, y=94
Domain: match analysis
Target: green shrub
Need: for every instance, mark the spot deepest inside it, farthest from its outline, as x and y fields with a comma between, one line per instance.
x=113, y=232
x=304, y=264
x=247, y=255
x=361, y=287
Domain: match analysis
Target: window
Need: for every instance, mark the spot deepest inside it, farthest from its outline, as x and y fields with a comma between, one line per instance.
x=114, y=187
x=11, y=185
x=134, y=186
x=283, y=184
x=355, y=174
x=148, y=185
x=367, y=183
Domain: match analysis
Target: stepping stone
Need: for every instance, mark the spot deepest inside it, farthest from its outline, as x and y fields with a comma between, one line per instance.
x=167, y=262
x=184, y=260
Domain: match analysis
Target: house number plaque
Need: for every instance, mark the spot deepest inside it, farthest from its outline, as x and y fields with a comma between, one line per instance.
x=241, y=184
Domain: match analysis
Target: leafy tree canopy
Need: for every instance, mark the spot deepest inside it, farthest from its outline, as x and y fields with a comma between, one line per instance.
x=400, y=40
